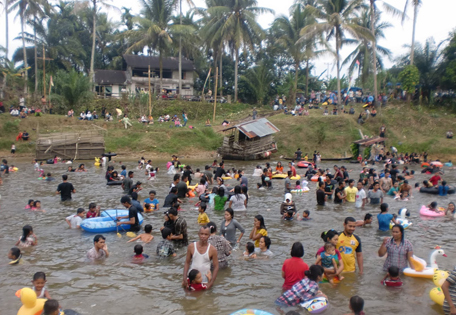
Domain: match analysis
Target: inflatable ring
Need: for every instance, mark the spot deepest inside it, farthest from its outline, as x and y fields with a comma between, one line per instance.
x=316, y=305
x=247, y=311
x=436, y=294
x=315, y=178
x=105, y=223
x=448, y=164
x=31, y=305
x=424, y=211
x=227, y=177
x=192, y=187
x=435, y=191
x=425, y=164
x=114, y=183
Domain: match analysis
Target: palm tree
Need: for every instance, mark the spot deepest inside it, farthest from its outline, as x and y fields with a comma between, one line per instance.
x=416, y=4
x=366, y=51
x=180, y=44
x=259, y=80
x=127, y=18
x=287, y=33
x=373, y=13
x=5, y=7
x=233, y=23
x=336, y=19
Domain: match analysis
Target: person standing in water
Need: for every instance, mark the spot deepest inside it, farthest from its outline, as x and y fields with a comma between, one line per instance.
x=65, y=189
x=200, y=255
x=349, y=244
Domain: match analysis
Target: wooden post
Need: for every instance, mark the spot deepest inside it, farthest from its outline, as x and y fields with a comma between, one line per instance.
x=215, y=94
x=44, y=73
x=150, y=96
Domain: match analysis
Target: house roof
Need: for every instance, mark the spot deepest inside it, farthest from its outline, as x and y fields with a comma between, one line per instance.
x=170, y=63
x=256, y=128
x=370, y=141
x=110, y=77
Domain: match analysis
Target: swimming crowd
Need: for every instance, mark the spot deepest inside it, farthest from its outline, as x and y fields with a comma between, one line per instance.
x=341, y=252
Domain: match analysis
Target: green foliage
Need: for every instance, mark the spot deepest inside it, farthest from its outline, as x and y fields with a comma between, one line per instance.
x=409, y=78
x=259, y=80
x=367, y=153
x=73, y=89
x=11, y=126
x=354, y=150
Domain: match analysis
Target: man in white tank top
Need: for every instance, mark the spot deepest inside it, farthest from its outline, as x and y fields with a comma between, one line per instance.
x=200, y=254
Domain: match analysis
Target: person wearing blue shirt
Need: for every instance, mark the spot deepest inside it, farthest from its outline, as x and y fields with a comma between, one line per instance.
x=152, y=200
x=384, y=218
x=443, y=189
x=124, y=171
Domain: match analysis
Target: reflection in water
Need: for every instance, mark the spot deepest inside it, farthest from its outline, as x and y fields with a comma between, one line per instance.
x=117, y=286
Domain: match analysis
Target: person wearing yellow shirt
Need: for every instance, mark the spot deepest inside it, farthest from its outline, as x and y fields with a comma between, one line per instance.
x=350, y=191
x=203, y=219
x=259, y=230
x=348, y=245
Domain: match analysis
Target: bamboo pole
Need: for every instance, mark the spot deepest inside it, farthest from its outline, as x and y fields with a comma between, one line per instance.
x=215, y=94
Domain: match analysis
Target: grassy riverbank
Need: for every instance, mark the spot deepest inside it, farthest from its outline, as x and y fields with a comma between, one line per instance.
x=409, y=128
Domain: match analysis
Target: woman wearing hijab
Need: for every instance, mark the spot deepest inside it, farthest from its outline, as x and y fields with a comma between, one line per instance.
x=287, y=205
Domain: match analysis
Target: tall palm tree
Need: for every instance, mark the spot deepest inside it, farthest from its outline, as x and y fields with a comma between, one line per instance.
x=287, y=33
x=189, y=2
x=5, y=4
x=127, y=18
x=233, y=22
x=334, y=18
x=373, y=15
x=416, y=4
x=366, y=51
x=259, y=80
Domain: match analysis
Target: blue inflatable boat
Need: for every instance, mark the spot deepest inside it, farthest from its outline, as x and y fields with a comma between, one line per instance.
x=105, y=223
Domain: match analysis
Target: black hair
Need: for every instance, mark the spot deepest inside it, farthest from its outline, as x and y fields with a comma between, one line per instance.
x=176, y=177
x=401, y=228
x=192, y=275
x=153, y=192
x=267, y=241
x=173, y=190
x=148, y=228
x=433, y=204
x=166, y=232
x=50, y=306
x=16, y=252
x=357, y=304
x=36, y=202
x=183, y=177
x=368, y=216
x=30, y=201
x=314, y=272
x=130, y=173
x=212, y=227
x=328, y=245
x=306, y=212
x=250, y=247
x=92, y=205
x=97, y=238
x=125, y=199
x=328, y=235
x=134, y=195
x=26, y=229
x=230, y=211
x=221, y=192
x=383, y=207
x=123, y=167
x=80, y=210
x=349, y=219
x=39, y=275
x=297, y=250
x=65, y=177
x=138, y=249
x=260, y=218
x=290, y=213
x=393, y=271
x=203, y=205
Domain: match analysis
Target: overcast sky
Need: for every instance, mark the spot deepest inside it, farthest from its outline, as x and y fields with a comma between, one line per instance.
x=435, y=19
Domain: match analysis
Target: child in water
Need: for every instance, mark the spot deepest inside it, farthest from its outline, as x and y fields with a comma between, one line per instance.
x=356, y=306
x=29, y=204
x=433, y=207
x=249, y=250
x=37, y=206
x=298, y=185
x=139, y=256
x=146, y=237
x=288, y=215
x=327, y=259
x=15, y=255
x=28, y=238
x=51, y=307
x=203, y=219
x=392, y=277
x=39, y=285
x=367, y=220
x=195, y=280
x=305, y=216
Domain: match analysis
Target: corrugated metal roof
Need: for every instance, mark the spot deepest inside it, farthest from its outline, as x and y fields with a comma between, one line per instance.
x=110, y=77
x=257, y=128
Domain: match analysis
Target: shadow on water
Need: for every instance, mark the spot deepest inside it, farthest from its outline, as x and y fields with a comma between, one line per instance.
x=117, y=286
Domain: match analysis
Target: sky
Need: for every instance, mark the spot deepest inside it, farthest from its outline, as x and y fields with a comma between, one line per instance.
x=435, y=19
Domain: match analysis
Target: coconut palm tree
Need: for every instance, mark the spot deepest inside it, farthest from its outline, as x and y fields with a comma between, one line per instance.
x=366, y=51
x=259, y=80
x=233, y=23
x=5, y=4
x=334, y=18
x=127, y=18
x=416, y=4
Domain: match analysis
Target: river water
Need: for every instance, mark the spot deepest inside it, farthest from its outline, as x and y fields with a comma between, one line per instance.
x=116, y=286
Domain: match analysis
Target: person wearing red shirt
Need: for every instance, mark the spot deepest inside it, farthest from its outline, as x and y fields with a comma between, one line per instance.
x=435, y=179
x=293, y=268
x=292, y=169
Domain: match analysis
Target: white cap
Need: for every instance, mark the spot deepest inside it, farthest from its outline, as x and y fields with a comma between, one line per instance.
x=288, y=196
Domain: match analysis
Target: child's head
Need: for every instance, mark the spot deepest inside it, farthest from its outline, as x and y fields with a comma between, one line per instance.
x=393, y=272
x=123, y=167
x=202, y=207
x=166, y=233
x=48, y=174
x=250, y=247
x=26, y=231
x=215, y=190
x=356, y=304
x=368, y=218
x=298, y=183
x=39, y=280
x=51, y=307
x=289, y=214
x=305, y=213
x=152, y=194
x=148, y=228
x=30, y=202
x=195, y=277
x=433, y=205
x=221, y=192
x=147, y=207
x=80, y=212
x=92, y=206
x=384, y=208
x=138, y=249
x=330, y=248
x=37, y=204
x=14, y=253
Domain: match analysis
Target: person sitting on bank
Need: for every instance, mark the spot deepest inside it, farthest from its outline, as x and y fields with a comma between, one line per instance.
x=449, y=134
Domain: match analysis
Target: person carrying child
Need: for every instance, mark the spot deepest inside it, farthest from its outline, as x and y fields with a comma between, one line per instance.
x=152, y=200
x=327, y=259
x=146, y=237
x=166, y=248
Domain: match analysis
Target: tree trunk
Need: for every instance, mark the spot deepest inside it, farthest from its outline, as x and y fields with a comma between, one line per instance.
x=24, y=51
x=415, y=13
x=374, y=50
x=339, y=98
x=307, y=78
x=221, y=63
x=160, y=62
x=94, y=34
x=180, y=54
x=6, y=28
x=36, y=56
x=296, y=80
x=236, y=76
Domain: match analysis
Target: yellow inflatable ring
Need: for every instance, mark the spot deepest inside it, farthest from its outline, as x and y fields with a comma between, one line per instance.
x=31, y=305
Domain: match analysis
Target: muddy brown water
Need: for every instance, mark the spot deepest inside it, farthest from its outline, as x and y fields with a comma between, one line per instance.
x=116, y=286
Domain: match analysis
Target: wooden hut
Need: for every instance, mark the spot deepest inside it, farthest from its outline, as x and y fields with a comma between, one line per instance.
x=375, y=144
x=251, y=140
x=84, y=145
